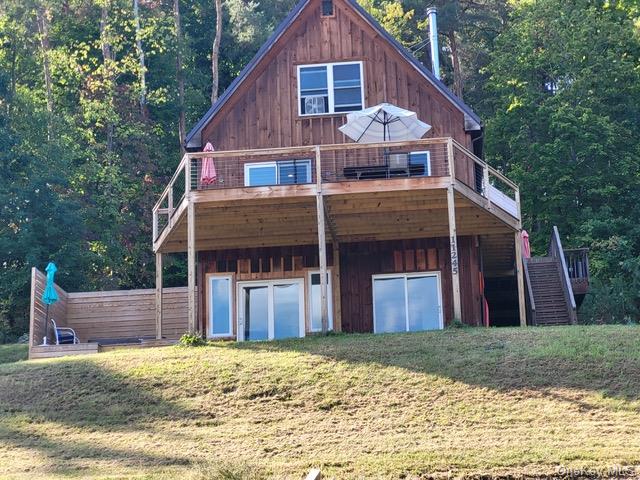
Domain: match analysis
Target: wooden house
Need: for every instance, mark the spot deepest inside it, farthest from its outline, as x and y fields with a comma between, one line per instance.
x=292, y=228
x=302, y=229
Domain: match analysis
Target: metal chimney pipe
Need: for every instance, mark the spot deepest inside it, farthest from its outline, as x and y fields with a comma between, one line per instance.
x=433, y=38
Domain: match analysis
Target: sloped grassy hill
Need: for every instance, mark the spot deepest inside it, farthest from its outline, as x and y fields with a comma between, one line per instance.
x=459, y=402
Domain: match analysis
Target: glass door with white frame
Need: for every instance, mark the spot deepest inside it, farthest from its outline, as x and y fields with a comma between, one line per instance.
x=270, y=310
x=407, y=303
x=220, y=306
x=314, y=300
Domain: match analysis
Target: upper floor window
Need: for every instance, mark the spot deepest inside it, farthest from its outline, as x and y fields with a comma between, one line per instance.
x=283, y=172
x=327, y=8
x=330, y=88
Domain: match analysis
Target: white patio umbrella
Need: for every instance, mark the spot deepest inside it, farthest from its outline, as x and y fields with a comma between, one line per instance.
x=382, y=123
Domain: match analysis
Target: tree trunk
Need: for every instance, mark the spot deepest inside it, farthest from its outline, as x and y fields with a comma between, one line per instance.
x=455, y=61
x=43, y=17
x=215, y=53
x=108, y=59
x=179, y=73
x=142, y=75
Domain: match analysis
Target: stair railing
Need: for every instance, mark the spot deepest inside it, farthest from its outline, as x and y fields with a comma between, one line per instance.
x=556, y=251
x=531, y=301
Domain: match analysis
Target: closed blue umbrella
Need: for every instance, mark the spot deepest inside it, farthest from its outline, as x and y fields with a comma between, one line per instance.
x=49, y=297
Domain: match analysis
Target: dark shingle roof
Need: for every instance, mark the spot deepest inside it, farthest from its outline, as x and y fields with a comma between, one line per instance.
x=193, y=139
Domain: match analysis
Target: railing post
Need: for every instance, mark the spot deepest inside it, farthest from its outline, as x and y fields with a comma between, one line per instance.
x=451, y=159
x=155, y=225
x=485, y=181
x=187, y=175
x=517, y=198
x=159, y=296
x=318, y=168
x=170, y=207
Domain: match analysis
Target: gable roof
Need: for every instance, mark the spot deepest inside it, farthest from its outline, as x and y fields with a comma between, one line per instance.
x=194, y=140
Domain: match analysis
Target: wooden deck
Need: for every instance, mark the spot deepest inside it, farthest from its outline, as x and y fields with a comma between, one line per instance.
x=99, y=318
x=230, y=215
x=55, y=351
x=352, y=193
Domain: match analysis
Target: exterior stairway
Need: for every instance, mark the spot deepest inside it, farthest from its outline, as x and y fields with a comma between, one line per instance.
x=554, y=282
x=551, y=307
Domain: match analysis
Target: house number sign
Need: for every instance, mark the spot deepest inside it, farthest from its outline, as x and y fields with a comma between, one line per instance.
x=454, y=255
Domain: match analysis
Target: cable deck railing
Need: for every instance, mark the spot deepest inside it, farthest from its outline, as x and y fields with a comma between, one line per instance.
x=351, y=162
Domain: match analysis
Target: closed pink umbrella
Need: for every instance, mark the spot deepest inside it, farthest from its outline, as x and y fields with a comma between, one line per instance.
x=526, y=247
x=208, y=175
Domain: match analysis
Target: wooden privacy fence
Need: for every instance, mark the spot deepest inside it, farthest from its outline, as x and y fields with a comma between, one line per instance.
x=109, y=315
x=57, y=311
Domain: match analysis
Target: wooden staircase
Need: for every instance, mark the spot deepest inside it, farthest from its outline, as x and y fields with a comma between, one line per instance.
x=545, y=280
x=550, y=287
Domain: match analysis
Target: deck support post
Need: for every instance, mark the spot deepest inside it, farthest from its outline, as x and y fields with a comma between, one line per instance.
x=322, y=245
x=159, y=295
x=191, y=264
x=453, y=249
x=337, y=300
x=520, y=277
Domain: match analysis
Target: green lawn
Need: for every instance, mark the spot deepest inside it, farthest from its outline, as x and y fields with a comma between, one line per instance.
x=468, y=402
x=13, y=353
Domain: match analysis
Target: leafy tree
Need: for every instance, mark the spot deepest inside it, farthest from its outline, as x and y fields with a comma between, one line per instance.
x=564, y=85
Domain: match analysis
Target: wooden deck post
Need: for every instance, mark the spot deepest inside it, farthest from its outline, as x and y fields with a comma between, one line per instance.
x=337, y=300
x=322, y=245
x=453, y=248
x=32, y=311
x=191, y=265
x=453, y=234
x=520, y=277
x=158, y=295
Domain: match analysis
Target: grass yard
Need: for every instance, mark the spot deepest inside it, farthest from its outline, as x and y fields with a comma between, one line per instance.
x=13, y=353
x=469, y=402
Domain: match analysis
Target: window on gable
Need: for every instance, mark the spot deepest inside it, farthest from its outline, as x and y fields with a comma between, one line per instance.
x=327, y=8
x=330, y=88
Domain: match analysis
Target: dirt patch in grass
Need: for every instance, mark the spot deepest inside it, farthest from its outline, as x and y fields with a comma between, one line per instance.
x=466, y=402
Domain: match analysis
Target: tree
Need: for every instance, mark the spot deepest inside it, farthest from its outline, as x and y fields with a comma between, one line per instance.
x=215, y=53
x=142, y=75
x=565, y=88
x=179, y=72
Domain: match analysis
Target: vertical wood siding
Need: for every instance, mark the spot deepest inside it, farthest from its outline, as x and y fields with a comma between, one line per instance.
x=263, y=112
x=358, y=262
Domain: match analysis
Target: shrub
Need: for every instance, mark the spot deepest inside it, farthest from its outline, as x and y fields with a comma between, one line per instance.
x=457, y=323
x=192, y=340
x=612, y=301
x=8, y=334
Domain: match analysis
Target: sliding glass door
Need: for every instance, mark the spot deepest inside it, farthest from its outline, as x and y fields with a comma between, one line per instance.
x=407, y=303
x=256, y=312
x=270, y=310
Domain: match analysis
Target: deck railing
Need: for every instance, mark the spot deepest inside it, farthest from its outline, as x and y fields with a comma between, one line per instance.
x=434, y=157
x=556, y=251
x=578, y=269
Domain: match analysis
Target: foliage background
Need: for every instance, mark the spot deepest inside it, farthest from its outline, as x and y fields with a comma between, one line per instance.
x=557, y=83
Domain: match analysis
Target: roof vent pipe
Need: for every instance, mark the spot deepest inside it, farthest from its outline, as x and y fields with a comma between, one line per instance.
x=433, y=38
